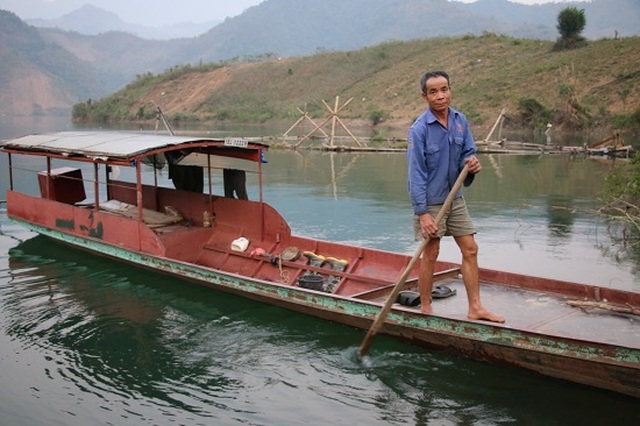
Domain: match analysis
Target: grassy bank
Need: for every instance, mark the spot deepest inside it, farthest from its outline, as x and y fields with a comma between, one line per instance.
x=597, y=86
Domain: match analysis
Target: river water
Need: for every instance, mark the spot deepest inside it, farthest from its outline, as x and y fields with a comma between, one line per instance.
x=88, y=341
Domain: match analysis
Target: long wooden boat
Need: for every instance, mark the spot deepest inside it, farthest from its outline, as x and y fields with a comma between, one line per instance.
x=581, y=333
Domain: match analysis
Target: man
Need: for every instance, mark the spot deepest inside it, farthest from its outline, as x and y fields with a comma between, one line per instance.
x=440, y=144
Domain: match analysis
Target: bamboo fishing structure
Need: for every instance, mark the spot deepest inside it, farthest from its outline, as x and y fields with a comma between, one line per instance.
x=335, y=120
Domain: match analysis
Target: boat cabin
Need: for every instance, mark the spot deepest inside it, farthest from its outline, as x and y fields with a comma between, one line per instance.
x=105, y=172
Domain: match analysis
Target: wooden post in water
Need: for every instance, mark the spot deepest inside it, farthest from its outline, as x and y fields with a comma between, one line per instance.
x=334, y=115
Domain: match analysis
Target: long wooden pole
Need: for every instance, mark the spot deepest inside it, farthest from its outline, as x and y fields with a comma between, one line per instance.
x=377, y=323
x=333, y=121
x=285, y=134
x=488, y=139
x=349, y=132
x=164, y=120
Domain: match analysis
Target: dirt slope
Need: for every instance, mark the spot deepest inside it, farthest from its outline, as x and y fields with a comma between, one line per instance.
x=34, y=93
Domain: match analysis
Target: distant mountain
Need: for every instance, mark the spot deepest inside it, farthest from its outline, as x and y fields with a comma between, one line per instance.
x=91, y=20
x=294, y=27
x=500, y=16
x=78, y=66
x=38, y=77
x=88, y=20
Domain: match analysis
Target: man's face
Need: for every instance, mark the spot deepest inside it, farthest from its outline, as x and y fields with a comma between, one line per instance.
x=438, y=94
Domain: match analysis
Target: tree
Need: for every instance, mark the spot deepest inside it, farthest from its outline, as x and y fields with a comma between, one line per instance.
x=571, y=22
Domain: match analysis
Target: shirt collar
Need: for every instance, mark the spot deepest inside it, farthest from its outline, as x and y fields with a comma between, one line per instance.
x=432, y=118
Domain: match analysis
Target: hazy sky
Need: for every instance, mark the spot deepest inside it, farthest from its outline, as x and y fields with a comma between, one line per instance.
x=150, y=12
x=145, y=12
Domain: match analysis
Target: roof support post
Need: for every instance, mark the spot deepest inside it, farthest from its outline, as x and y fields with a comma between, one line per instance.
x=96, y=187
x=139, y=189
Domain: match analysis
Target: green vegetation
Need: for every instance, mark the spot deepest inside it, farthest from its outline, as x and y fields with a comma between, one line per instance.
x=533, y=113
x=597, y=86
x=622, y=199
x=378, y=116
x=571, y=23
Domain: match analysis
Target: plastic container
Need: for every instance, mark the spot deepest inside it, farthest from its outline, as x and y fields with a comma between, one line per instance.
x=239, y=244
x=313, y=282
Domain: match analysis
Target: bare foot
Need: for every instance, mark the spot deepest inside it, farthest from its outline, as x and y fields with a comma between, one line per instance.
x=483, y=314
x=425, y=309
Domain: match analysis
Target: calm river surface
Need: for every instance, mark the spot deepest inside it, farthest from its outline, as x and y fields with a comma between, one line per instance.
x=88, y=341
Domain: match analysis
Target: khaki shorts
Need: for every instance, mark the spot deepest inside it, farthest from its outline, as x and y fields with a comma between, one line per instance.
x=456, y=223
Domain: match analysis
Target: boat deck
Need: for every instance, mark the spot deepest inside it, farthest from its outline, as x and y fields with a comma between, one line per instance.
x=543, y=313
x=524, y=308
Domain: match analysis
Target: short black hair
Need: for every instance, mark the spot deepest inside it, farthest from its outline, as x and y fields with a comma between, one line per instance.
x=432, y=74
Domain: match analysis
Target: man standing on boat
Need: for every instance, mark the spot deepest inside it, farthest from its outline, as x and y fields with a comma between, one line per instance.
x=439, y=145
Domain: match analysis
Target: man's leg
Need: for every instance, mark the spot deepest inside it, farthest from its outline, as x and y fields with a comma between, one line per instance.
x=425, y=274
x=469, y=250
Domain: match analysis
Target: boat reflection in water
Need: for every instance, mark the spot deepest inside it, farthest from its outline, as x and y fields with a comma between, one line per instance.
x=105, y=330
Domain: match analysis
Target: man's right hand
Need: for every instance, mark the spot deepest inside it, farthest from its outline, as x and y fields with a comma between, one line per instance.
x=428, y=226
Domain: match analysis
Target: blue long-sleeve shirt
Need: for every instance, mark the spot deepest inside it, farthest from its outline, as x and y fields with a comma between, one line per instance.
x=435, y=157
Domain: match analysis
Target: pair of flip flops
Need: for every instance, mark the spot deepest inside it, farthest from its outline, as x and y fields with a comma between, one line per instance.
x=442, y=292
x=412, y=298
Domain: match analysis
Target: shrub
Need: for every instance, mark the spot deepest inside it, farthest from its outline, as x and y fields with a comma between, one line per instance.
x=571, y=22
x=533, y=113
x=378, y=116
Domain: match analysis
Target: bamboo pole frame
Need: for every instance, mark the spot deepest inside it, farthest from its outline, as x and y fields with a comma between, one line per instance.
x=335, y=120
x=303, y=117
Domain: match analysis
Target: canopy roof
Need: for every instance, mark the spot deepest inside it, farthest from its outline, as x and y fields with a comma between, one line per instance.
x=110, y=146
